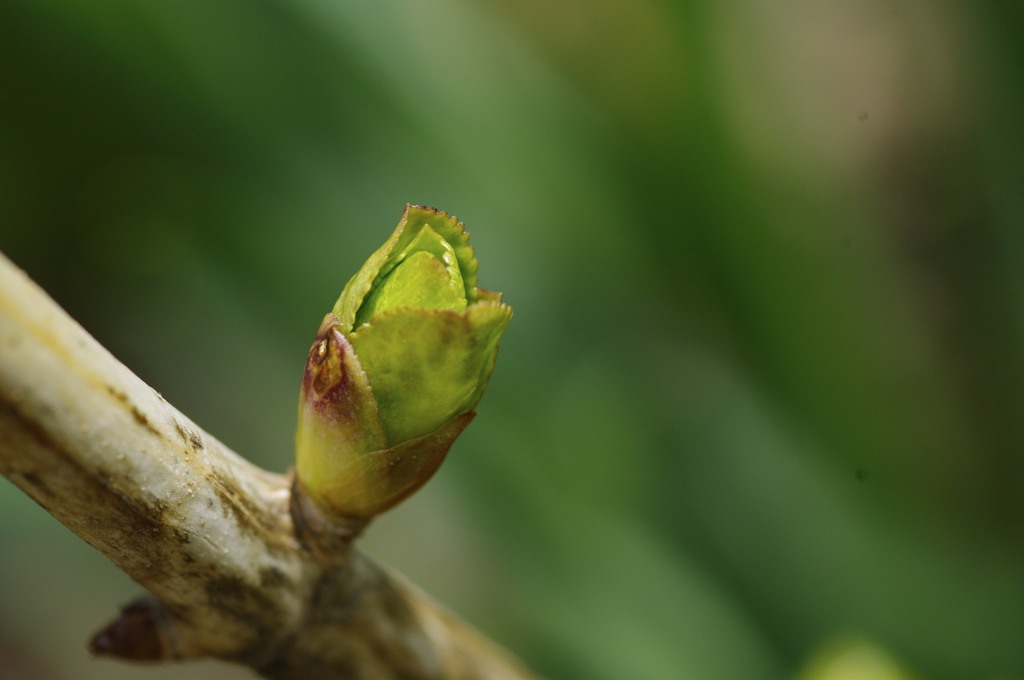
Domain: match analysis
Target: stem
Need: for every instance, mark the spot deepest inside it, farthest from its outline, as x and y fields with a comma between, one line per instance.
x=209, y=534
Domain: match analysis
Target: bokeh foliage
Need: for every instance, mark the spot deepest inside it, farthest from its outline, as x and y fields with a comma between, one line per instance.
x=765, y=381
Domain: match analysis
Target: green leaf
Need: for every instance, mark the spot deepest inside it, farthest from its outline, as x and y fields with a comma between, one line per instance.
x=426, y=365
x=427, y=277
x=384, y=259
x=366, y=485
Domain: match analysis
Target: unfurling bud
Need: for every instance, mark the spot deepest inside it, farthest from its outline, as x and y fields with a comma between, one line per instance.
x=396, y=369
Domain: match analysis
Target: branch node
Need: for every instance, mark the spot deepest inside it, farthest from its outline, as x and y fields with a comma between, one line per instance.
x=327, y=535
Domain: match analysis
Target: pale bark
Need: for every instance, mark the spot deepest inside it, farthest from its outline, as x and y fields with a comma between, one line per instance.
x=238, y=566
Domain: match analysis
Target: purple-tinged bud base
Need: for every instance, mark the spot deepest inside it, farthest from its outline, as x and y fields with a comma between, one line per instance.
x=371, y=483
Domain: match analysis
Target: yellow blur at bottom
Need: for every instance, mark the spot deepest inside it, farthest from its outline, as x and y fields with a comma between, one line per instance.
x=851, y=658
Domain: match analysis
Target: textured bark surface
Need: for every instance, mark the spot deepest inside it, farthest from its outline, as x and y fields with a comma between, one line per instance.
x=239, y=565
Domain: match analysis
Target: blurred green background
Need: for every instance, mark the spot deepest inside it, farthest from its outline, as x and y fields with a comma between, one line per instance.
x=765, y=381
